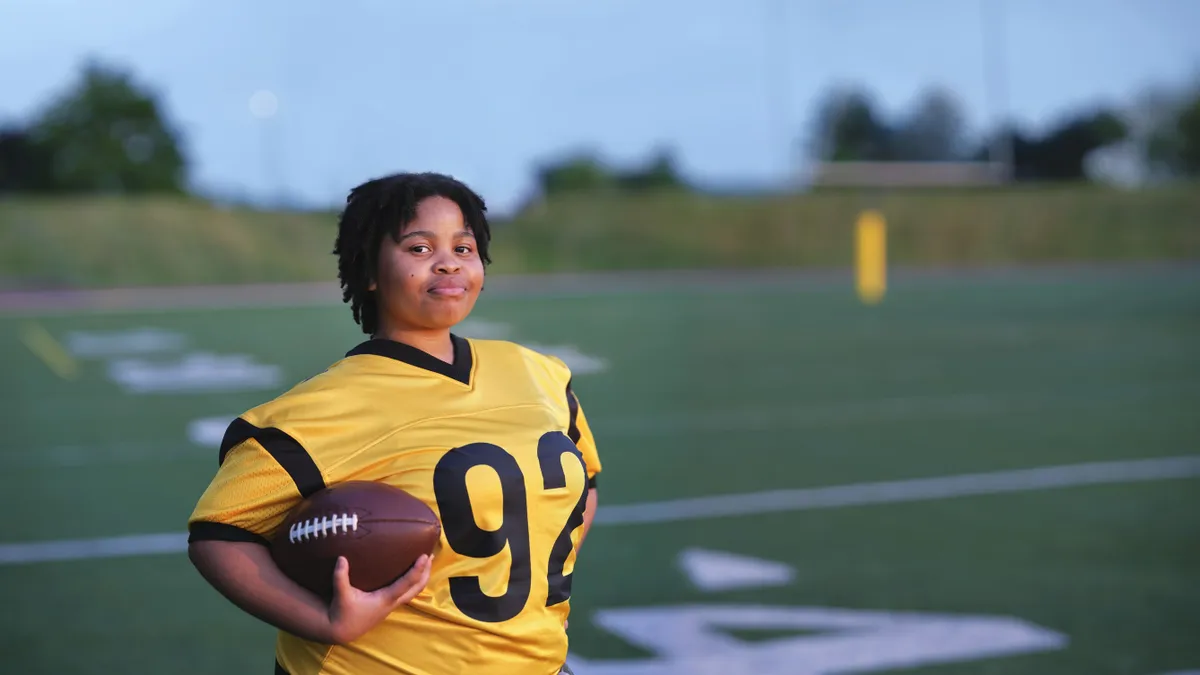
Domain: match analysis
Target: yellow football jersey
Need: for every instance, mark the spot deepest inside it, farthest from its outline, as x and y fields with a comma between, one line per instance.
x=495, y=443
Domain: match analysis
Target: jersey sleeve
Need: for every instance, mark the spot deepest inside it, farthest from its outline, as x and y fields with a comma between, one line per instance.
x=581, y=434
x=263, y=473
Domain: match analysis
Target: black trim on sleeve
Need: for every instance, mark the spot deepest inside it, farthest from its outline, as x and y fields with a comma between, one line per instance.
x=206, y=530
x=573, y=405
x=286, y=450
x=592, y=483
x=279, y=669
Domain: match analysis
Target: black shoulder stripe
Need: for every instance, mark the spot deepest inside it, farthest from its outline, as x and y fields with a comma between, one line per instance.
x=286, y=450
x=592, y=482
x=205, y=530
x=573, y=405
x=235, y=434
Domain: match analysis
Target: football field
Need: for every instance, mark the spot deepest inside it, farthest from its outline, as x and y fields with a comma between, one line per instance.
x=991, y=474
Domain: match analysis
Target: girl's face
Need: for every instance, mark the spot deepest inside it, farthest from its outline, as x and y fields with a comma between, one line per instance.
x=430, y=278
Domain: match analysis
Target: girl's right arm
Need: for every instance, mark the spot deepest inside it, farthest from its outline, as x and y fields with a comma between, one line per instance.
x=247, y=576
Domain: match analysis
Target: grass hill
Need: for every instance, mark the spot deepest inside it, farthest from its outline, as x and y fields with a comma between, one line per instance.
x=107, y=241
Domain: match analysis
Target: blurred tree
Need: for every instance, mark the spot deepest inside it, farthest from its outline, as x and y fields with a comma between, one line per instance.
x=577, y=173
x=108, y=134
x=846, y=128
x=660, y=173
x=1187, y=130
x=1161, y=151
x=583, y=172
x=24, y=165
x=985, y=147
x=1061, y=153
x=934, y=130
x=1153, y=118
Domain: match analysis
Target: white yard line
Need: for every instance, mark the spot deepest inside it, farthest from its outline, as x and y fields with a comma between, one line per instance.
x=892, y=492
x=803, y=499
x=83, y=549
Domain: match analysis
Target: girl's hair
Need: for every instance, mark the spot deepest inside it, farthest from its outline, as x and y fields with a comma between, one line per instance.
x=385, y=206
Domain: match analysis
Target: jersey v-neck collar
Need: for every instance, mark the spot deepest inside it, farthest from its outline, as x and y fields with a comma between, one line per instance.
x=459, y=371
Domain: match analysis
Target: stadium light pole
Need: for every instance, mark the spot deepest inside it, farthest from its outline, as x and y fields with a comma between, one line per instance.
x=778, y=88
x=264, y=106
x=777, y=82
x=995, y=82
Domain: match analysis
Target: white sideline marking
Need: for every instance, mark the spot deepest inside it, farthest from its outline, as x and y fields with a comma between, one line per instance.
x=594, y=284
x=803, y=499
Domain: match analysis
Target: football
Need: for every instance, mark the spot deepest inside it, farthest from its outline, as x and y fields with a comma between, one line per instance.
x=380, y=529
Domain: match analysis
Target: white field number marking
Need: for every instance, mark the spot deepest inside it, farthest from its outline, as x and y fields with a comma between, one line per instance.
x=692, y=639
x=721, y=571
x=173, y=370
x=194, y=372
x=577, y=361
x=132, y=342
x=208, y=432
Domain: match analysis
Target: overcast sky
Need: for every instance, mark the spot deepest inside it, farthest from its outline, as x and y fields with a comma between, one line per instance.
x=485, y=89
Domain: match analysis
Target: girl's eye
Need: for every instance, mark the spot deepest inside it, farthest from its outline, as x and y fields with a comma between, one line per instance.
x=464, y=250
x=419, y=248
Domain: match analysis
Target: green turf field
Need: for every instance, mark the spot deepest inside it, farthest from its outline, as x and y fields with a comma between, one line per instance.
x=692, y=394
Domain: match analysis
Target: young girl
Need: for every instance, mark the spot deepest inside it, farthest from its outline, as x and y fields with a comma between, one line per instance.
x=489, y=434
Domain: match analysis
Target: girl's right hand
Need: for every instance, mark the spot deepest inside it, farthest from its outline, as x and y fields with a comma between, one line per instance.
x=353, y=612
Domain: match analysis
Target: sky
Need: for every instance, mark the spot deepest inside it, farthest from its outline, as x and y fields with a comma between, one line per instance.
x=489, y=89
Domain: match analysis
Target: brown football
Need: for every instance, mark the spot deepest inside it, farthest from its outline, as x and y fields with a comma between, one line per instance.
x=380, y=529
